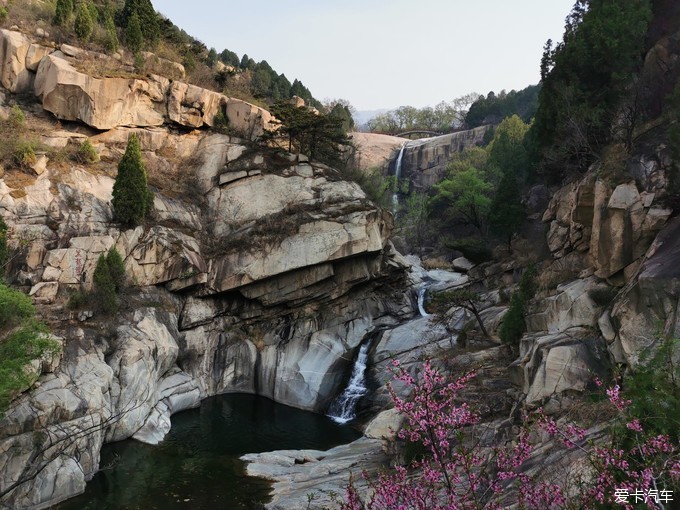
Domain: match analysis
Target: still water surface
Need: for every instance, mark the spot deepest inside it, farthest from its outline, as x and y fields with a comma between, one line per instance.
x=198, y=466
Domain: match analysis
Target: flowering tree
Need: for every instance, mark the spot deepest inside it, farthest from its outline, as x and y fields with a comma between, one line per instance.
x=456, y=473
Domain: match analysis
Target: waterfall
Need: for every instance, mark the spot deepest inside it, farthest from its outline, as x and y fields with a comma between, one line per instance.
x=421, y=301
x=343, y=408
x=397, y=174
x=397, y=165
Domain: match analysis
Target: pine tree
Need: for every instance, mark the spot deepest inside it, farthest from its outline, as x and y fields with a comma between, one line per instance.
x=84, y=25
x=111, y=39
x=132, y=199
x=116, y=268
x=507, y=212
x=146, y=17
x=134, y=38
x=104, y=288
x=62, y=12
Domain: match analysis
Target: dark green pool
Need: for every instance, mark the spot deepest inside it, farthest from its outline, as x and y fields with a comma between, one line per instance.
x=197, y=466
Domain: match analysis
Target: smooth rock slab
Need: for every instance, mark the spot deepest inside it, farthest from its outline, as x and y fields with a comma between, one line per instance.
x=297, y=473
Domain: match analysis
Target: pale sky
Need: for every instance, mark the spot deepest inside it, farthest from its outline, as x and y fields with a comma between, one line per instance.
x=383, y=53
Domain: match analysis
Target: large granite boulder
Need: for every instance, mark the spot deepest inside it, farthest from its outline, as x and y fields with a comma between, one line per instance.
x=101, y=103
x=552, y=364
x=110, y=102
x=611, y=227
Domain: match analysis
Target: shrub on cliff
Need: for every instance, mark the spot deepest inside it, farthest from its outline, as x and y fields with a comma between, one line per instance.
x=132, y=199
x=87, y=153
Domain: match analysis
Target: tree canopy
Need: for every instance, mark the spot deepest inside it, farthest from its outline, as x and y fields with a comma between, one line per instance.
x=132, y=199
x=584, y=79
x=315, y=134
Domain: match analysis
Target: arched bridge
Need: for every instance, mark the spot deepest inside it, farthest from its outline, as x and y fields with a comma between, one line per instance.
x=408, y=134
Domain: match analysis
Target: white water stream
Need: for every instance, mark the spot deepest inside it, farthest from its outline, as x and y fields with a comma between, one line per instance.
x=343, y=408
x=421, y=301
x=397, y=174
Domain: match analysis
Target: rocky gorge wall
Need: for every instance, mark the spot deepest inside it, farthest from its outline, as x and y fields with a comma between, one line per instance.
x=425, y=161
x=258, y=271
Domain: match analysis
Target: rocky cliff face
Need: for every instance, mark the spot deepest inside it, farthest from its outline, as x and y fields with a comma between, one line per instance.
x=424, y=161
x=257, y=272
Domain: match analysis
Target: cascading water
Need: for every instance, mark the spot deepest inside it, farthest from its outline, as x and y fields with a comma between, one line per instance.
x=421, y=301
x=397, y=174
x=343, y=408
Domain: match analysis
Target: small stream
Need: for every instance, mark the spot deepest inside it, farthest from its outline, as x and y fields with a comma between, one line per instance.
x=197, y=466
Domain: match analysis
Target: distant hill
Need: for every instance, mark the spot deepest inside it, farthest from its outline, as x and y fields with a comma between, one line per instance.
x=363, y=116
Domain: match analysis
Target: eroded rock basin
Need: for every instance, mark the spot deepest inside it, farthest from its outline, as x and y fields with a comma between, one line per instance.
x=197, y=466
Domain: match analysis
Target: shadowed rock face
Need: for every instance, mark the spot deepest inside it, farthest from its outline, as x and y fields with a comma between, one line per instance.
x=649, y=307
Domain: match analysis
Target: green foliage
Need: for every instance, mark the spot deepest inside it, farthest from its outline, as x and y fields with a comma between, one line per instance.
x=83, y=25
x=16, y=118
x=465, y=298
x=378, y=188
x=444, y=117
x=104, y=294
x=527, y=284
x=111, y=42
x=464, y=197
x=513, y=326
x=21, y=347
x=584, y=79
x=602, y=296
x=495, y=107
x=142, y=14
x=63, y=11
x=221, y=122
x=132, y=199
x=229, y=58
x=654, y=388
x=4, y=248
x=24, y=153
x=507, y=211
x=25, y=341
x=134, y=38
x=3, y=15
x=15, y=307
x=116, y=267
x=507, y=152
x=343, y=114
x=674, y=144
x=413, y=218
x=319, y=136
x=77, y=300
x=473, y=248
x=109, y=281
x=87, y=153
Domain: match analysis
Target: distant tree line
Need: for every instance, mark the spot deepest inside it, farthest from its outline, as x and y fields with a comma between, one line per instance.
x=445, y=117
x=493, y=108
